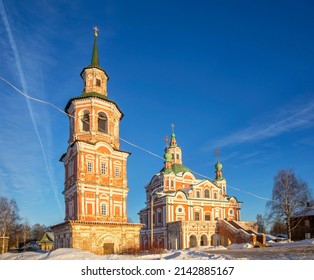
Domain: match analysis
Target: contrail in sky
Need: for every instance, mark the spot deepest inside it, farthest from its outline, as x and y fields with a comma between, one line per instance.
x=286, y=120
x=24, y=86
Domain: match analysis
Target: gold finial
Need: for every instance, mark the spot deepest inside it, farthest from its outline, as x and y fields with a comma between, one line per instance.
x=166, y=139
x=96, y=29
x=217, y=154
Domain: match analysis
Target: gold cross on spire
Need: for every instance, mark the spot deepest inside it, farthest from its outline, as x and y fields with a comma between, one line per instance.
x=217, y=154
x=172, y=126
x=96, y=29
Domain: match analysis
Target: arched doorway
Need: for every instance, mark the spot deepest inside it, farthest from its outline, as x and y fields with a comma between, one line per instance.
x=193, y=241
x=108, y=248
x=204, y=240
x=108, y=244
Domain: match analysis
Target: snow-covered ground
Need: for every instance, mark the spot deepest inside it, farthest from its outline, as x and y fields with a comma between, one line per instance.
x=237, y=262
x=302, y=250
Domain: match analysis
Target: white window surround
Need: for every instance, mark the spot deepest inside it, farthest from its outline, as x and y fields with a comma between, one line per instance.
x=89, y=166
x=103, y=209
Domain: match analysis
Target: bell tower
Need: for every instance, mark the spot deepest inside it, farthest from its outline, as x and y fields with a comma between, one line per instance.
x=95, y=187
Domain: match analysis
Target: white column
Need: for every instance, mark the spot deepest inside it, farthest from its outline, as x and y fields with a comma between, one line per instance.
x=164, y=211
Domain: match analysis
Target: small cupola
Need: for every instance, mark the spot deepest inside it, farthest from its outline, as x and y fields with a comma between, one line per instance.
x=94, y=76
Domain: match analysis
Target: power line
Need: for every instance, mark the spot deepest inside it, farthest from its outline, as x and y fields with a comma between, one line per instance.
x=126, y=141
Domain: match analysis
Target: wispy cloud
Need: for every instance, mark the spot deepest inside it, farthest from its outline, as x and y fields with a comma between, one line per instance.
x=284, y=120
x=27, y=156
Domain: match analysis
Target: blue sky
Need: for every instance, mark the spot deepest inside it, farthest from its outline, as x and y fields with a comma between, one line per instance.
x=233, y=75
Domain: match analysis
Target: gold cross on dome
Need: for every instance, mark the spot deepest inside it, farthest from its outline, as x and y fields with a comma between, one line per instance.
x=96, y=29
x=217, y=154
x=166, y=139
x=172, y=126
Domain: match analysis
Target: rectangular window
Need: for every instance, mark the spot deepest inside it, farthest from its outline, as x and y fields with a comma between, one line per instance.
x=103, y=168
x=103, y=209
x=159, y=218
x=98, y=83
x=197, y=216
x=207, y=217
x=89, y=166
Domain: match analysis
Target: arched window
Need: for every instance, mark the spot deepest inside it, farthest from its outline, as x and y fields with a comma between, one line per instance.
x=85, y=121
x=103, y=209
x=206, y=193
x=198, y=194
x=102, y=122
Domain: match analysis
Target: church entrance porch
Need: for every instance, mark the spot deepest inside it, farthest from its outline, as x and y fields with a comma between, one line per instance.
x=97, y=237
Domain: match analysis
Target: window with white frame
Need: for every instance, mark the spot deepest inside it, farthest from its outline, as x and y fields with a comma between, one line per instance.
x=206, y=193
x=197, y=216
x=207, y=217
x=104, y=209
x=90, y=166
x=198, y=194
x=103, y=168
x=159, y=215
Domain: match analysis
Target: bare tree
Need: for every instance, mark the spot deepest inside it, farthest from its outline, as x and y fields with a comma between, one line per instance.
x=38, y=231
x=260, y=221
x=278, y=227
x=289, y=195
x=26, y=232
x=8, y=217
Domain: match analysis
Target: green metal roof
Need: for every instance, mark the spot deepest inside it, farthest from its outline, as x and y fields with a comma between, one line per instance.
x=176, y=168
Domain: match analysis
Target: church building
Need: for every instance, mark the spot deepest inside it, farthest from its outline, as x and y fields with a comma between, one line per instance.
x=183, y=211
x=95, y=186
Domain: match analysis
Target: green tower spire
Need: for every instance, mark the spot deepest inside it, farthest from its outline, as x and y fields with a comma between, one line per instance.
x=95, y=59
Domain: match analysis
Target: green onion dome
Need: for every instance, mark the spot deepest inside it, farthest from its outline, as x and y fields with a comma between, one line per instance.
x=167, y=156
x=218, y=166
